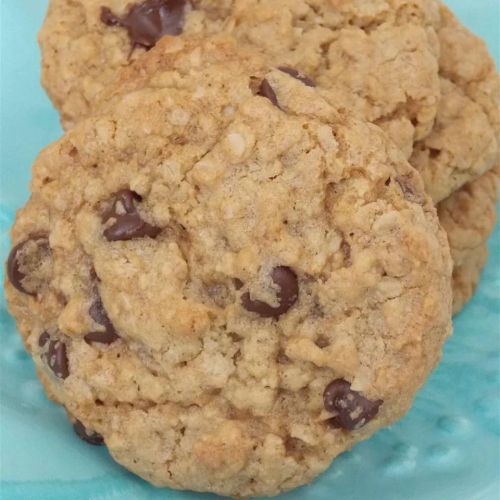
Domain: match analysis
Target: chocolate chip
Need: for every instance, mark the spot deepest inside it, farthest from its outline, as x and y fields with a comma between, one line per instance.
x=128, y=225
x=43, y=339
x=298, y=76
x=108, y=18
x=99, y=315
x=148, y=21
x=265, y=90
x=27, y=254
x=353, y=410
x=322, y=341
x=57, y=358
x=287, y=282
x=127, y=198
x=86, y=435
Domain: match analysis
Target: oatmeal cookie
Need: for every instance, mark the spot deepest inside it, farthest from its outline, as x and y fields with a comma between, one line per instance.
x=468, y=217
x=466, y=276
x=465, y=141
x=225, y=279
x=85, y=43
x=377, y=58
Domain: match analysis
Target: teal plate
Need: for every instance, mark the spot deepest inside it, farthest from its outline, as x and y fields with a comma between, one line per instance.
x=447, y=447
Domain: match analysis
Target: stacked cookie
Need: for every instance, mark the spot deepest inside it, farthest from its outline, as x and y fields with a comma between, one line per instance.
x=409, y=67
x=231, y=268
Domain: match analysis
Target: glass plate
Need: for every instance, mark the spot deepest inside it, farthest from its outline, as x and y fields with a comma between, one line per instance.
x=447, y=447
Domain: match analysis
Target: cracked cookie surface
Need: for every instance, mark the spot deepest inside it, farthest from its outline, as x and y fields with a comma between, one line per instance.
x=378, y=59
x=85, y=43
x=465, y=141
x=239, y=282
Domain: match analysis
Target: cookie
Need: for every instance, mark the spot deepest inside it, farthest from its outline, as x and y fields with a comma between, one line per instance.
x=378, y=59
x=468, y=217
x=85, y=43
x=225, y=279
x=466, y=276
x=465, y=141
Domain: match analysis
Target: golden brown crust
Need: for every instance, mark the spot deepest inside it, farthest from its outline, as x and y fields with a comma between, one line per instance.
x=379, y=60
x=465, y=142
x=466, y=276
x=296, y=247
x=468, y=217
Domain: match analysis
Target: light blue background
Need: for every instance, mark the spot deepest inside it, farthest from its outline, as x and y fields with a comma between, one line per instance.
x=447, y=447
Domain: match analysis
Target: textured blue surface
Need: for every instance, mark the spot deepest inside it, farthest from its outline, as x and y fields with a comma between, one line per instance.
x=447, y=447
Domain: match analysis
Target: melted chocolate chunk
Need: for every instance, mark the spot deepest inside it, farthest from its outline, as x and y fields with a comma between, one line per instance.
x=99, y=315
x=353, y=410
x=14, y=262
x=288, y=284
x=148, y=21
x=86, y=435
x=128, y=225
x=57, y=358
x=298, y=76
x=265, y=90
